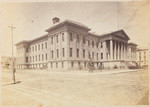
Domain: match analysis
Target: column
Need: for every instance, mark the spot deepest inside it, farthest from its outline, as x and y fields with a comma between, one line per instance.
x=111, y=49
x=121, y=50
x=115, y=50
x=118, y=50
x=104, y=53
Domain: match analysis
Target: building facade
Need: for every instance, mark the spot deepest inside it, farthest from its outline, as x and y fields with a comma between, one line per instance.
x=70, y=45
x=142, y=57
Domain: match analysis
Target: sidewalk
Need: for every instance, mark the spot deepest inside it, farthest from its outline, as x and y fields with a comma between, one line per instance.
x=80, y=72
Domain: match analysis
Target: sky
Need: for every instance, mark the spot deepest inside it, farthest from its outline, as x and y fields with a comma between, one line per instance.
x=31, y=19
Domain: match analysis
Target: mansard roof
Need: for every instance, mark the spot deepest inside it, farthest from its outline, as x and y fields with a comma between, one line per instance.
x=67, y=22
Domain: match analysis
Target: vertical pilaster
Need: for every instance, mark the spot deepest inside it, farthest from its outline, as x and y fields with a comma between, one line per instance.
x=115, y=50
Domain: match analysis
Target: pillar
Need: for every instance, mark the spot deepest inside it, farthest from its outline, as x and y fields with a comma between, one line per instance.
x=111, y=49
x=105, y=52
x=115, y=50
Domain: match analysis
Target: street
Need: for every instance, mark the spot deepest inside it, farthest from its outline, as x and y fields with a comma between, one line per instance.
x=44, y=88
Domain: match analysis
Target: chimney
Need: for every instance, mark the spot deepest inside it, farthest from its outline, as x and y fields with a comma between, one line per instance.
x=55, y=20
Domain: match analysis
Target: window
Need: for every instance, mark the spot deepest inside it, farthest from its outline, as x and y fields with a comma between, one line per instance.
x=46, y=56
x=33, y=58
x=77, y=38
x=83, y=53
x=62, y=36
x=57, y=53
x=45, y=44
x=89, y=55
x=101, y=44
x=92, y=43
x=70, y=36
x=56, y=65
x=63, y=52
x=42, y=57
x=42, y=45
x=35, y=48
x=77, y=52
x=83, y=39
x=62, y=64
x=39, y=47
x=51, y=65
x=30, y=59
x=57, y=38
x=97, y=56
x=88, y=43
x=78, y=64
x=93, y=55
x=72, y=64
x=84, y=64
x=27, y=50
x=39, y=57
x=52, y=54
x=51, y=40
x=70, y=52
x=26, y=59
x=101, y=55
x=36, y=58
x=97, y=44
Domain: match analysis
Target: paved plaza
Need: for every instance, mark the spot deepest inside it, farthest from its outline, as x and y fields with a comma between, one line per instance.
x=78, y=88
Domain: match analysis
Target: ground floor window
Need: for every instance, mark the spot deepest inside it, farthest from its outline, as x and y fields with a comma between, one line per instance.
x=51, y=65
x=84, y=64
x=56, y=65
x=78, y=64
x=72, y=64
x=62, y=64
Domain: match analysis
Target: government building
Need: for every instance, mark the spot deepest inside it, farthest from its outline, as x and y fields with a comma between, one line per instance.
x=70, y=45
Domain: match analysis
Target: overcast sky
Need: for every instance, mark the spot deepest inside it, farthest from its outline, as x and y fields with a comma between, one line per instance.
x=32, y=19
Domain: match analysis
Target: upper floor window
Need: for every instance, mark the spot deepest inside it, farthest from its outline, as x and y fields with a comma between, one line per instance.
x=39, y=57
x=30, y=59
x=92, y=43
x=97, y=56
x=83, y=39
x=42, y=57
x=39, y=47
x=45, y=44
x=36, y=58
x=26, y=59
x=52, y=54
x=88, y=43
x=77, y=52
x=46, y=56
x=77, y=38
x=93, y=55
x=35, y=48
x=42, y=45
x=63, y=52
x=101, y=55
x=70, y=52
x=101, y=44
x=33, y=58
x=97, y=44
x=57, y=38
x=70, y=35
x=57, y=53
x=62, y=36
x=83, y=53
x=51, y=40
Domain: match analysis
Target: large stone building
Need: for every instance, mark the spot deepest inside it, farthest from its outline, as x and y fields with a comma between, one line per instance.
x=70, y=45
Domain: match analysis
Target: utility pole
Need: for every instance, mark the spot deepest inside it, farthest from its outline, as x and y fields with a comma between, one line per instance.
x=13, y=68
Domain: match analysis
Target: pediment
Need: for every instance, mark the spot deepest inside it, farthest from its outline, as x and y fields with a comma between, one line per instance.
x=121, y=34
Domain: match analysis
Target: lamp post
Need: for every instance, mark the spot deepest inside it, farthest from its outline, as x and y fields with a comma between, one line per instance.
x=13, y=68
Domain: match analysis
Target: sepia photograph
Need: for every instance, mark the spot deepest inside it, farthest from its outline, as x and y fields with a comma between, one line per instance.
x=74, y=53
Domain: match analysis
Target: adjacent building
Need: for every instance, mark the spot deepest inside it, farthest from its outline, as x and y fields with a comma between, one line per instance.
x=70, y=45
